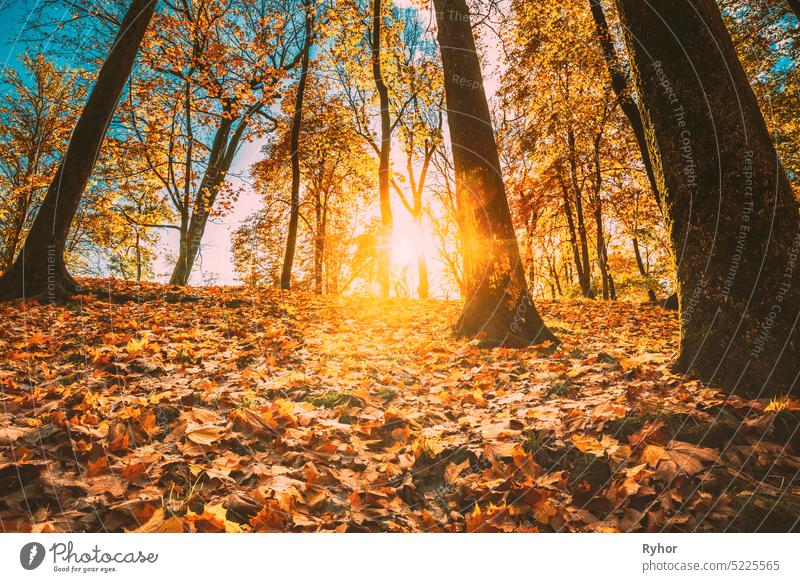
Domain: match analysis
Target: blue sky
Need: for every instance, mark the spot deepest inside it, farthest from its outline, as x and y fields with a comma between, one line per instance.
x=217, y=263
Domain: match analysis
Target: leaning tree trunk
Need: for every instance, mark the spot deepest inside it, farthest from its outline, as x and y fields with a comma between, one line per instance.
x=733, y=219
x=499, y=306
x=297, y=125
x=620, y=85
x=193, y=225
x=39, y=268
x=384, y=240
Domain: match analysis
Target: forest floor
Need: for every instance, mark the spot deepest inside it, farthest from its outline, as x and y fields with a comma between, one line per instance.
x=240, y=409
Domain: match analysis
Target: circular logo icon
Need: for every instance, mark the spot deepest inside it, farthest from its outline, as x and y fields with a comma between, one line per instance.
x=31, y=555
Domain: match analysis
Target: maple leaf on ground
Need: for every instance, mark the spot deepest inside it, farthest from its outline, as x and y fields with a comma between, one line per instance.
x=677, y=457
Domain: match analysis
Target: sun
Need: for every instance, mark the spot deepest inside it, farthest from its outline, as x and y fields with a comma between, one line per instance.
x=408, y=241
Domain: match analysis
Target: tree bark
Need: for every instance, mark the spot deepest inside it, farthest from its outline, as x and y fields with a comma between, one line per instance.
x=39, y=268
x=385, y=238
x=734, y=223
x=297, y=125
x=499, y=308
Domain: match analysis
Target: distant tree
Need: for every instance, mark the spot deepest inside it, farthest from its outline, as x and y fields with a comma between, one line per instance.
x=36, y=118
x=336, y=173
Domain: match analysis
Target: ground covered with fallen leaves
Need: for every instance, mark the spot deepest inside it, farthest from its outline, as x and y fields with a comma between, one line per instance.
x=157, y=409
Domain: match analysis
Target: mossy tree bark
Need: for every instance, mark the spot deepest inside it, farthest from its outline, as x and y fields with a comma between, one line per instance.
x=498, y=308
x=733, y=219
x=39, y=268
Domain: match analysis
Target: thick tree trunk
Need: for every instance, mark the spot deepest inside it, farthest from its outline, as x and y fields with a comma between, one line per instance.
x=297, y=125
x=385, y=238
x=39, y=268
x=733, y=219
x=499, y=307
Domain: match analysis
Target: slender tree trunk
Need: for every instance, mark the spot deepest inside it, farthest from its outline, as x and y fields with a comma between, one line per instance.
x=621, y=85
x=320, y=220
x=602, y=255
x=600, y=238
x=573, y=236
x=39, y=267
x=297, y=125
x=734, y=222
x=585, y=270
x=422, y=264
x=138, y=257
x=620, y=82
x=499, y=306
x=384, y=194
x=223, y=151
x=193, y=224
x=556, y=277
x=651, y=294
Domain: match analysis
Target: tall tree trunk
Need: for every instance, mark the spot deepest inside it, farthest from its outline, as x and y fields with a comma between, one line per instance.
x=39, y=267
x=585, y=271
x=573, y=236
x=733, y=219
x=499, y=306
x=297, y=124
x=602, y=253
x=554, y=270
x=193, y=223
x=385, y=238
x=600, y=237
x=321, y=226
x=620, y=85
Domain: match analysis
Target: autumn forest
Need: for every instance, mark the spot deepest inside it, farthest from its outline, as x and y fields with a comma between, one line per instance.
x=400, y=266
